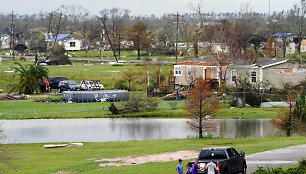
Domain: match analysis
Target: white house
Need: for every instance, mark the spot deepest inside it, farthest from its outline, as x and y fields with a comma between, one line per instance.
x=70, y=42
x=5, y=41
x=303, y=46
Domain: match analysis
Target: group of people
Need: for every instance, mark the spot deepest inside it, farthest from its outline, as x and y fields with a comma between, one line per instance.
x=211, y=167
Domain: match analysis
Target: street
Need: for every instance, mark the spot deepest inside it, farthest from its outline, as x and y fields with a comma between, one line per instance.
x=276, y=158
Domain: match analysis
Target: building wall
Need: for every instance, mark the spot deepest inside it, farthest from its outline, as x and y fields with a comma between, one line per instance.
x=195, y=72
x=285, y=73
x=303, y=48
x=66, y=44
x=277, y=75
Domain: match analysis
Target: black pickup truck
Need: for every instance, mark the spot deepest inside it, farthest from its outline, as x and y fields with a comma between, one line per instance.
x=227, y=159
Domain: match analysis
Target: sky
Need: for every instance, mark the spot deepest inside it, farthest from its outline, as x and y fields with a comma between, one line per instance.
x=144, y=7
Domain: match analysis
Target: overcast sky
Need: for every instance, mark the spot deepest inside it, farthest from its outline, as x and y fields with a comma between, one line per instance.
x=144, y=7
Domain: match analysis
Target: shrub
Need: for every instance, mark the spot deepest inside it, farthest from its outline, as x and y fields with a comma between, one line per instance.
x=301, y=168
x=121, y=84
x=140, y=104
x=113, y=109
x=173, y=104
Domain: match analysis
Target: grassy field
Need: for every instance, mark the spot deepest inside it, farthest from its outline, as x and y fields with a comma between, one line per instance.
x=107, y=74
x=27, y=109
x=32, y=158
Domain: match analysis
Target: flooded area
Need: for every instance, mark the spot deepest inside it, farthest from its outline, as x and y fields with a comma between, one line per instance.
x=125, y=129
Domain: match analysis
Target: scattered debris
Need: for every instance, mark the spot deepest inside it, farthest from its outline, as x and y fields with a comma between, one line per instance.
x=63, y=145
x=10, y=97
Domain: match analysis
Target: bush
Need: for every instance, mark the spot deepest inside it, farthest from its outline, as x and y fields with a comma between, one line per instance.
x=113, y=109
x=121, y=84
x=301, y=168
x=173, y=104
x=58, y=56
x=140, y=104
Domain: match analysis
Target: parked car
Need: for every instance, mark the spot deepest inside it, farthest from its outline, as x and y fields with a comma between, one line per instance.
x=68, y=85
x=227, y=159
x=88, y=85
x=54, y=81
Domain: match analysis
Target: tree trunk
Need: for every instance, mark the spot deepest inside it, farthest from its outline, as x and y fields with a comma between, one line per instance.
x=289, y=121
x=138, y=50
x=243, y=96
x=200, y=121
x=284, y=47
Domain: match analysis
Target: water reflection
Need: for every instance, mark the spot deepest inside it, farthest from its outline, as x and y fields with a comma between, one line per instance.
x=124, y=129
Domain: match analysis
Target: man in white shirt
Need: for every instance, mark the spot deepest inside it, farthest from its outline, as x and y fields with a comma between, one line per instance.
x=211, y=167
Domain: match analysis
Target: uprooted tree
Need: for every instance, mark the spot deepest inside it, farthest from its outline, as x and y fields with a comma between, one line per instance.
x=202, y=102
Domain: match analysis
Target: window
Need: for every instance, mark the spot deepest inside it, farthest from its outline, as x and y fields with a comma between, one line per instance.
x=234, y=75
x=204, y=74
x=189, y=70
x=253, y=76
x=72, y=44
x=178, y=70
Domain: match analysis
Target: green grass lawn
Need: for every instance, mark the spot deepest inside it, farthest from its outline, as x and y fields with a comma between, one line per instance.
x=28, y=109
x=108, y=75
x=32, y=158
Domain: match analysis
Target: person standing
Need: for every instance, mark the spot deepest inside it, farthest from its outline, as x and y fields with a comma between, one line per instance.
x=179, y=167
x=47, y=86
x=195, y=167
x=211, y=167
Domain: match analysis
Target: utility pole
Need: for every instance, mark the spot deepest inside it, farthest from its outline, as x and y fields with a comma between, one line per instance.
x=106, y=33
x=49, y=33
x=12, y=45
x=58, y=27
x=177, y=29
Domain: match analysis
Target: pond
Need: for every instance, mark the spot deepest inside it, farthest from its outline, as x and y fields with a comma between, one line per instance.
x=125, y=129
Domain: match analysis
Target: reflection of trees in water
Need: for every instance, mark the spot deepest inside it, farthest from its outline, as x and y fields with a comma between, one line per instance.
x=138, y=128
x=243, y=128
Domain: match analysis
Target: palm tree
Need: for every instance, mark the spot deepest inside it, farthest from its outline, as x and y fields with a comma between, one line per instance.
x=29, y=77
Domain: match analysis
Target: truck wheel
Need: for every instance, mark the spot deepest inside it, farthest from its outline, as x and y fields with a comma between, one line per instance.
x=243, y=170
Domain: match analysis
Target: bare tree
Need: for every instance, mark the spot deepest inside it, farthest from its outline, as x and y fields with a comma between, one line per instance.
x=202, y=102
x=297, y=16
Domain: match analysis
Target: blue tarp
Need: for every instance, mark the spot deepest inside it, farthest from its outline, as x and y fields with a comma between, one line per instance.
x=280, y=35
x=62, y=36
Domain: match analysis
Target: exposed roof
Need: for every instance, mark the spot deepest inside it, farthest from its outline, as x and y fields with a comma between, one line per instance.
x=62, y=36
x=210, y=61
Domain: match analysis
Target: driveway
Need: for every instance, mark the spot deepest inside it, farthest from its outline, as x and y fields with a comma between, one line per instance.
x=276, y=158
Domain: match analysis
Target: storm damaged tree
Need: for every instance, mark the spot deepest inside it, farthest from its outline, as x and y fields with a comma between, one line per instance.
x=219, y=34
x=202, y=103
x=292, y=120
x=140, y=37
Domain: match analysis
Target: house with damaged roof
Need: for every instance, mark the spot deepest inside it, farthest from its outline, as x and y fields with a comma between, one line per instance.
x=69, y=41
x=277, y=71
